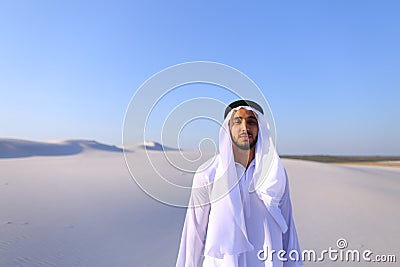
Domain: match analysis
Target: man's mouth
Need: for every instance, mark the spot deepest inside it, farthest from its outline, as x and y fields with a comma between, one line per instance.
x=245, y=135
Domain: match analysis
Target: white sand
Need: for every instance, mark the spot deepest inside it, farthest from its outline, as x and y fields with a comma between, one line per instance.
x=358, y=203
x=85, y=210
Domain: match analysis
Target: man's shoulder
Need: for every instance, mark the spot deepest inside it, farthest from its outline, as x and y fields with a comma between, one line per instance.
x=206, y=172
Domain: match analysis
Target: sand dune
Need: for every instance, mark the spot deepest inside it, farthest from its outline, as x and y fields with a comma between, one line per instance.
x=150, y=146
x=15, y=148
x=85, y=210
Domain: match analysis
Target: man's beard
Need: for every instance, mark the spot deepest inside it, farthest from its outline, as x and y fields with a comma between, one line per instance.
x=245, y=147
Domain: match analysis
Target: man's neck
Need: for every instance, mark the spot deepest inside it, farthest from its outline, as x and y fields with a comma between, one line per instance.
x=242, y=156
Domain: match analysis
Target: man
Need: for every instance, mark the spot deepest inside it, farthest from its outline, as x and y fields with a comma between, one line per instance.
x=240, y=211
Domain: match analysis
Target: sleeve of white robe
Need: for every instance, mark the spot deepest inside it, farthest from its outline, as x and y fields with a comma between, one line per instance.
x=289, y=239
x=195, y=227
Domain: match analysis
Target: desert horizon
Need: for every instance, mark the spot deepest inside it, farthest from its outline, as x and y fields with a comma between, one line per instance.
x=15, y=147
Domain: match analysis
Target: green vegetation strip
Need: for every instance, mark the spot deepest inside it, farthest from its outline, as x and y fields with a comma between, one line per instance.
x=342, y=159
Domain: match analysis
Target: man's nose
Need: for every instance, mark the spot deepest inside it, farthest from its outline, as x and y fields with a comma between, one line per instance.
x=244, y=126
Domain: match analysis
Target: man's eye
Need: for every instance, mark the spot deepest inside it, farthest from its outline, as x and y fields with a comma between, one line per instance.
x=252, y=122
x=238, y=121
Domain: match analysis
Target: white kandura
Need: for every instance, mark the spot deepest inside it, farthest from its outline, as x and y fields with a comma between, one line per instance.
x=236, y=212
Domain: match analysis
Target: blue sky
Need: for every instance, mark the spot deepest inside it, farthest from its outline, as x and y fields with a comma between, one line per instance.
x=329, y=69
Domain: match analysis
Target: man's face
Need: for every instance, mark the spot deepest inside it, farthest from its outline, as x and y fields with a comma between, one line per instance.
x=244, y=129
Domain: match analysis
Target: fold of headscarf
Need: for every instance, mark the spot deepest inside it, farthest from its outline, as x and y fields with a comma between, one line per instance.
x=226, y=232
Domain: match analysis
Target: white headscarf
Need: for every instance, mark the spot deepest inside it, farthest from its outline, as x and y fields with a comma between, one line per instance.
x=226, y=233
